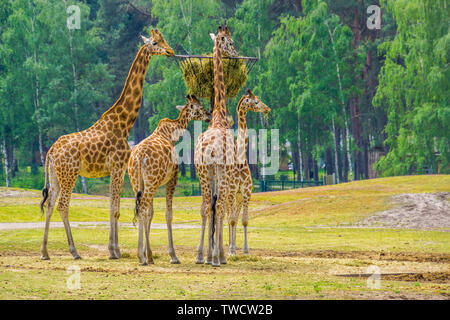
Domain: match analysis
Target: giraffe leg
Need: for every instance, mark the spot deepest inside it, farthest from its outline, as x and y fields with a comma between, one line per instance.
x=149, y=216
x=63, y=208
x=114, y=212
x=218, y=255
x=145, y=217
x=170, y=189
x=232, y=220
x=206, y=186
x=141, y=251
x=200, y=259
x=53, y=195
x=237, y=210
x=245, y=218
x=222, y=258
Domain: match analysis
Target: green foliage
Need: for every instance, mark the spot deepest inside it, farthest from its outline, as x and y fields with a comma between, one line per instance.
x=54, y=81
x=414, y=89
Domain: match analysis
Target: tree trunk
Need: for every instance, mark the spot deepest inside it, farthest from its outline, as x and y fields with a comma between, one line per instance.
x=336, y=150
x=316, y=169
x=5, y=155
x=192, y=166
x=75, y=106
x=182, y=167
x=345, y=158
x=295, y=159
x=300, y=163
x=341, y=94
x=37, y=99
x=354, y=101
x=340, y=171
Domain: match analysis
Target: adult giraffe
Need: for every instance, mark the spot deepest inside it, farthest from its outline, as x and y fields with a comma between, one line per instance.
x=241, y=188
x=153, y=163
x=99, y=151
x=215, y=156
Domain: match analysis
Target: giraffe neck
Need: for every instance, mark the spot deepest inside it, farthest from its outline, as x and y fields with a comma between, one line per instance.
x=122, y=115
x=242, y=137
x=173, y=129
x=219, y=118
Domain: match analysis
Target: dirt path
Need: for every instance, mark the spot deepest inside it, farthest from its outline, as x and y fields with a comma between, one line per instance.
x=414, y=211
x=75, y=224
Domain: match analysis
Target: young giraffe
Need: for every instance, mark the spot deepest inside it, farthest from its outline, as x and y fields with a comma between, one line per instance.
x=241, y=189
x=214, y=157
x=153, y=163
x=99, y=151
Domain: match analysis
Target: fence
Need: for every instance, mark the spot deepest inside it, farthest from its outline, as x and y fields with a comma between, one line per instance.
x=278, y=185
x=270, y=185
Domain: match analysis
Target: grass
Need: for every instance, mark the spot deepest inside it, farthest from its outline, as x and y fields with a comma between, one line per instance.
x=296, y=240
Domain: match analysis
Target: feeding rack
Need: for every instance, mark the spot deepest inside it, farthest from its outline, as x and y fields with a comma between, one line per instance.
x=199, y=76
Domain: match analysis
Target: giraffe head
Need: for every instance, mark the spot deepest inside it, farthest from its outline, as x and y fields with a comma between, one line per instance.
x=223, y=39
x=157, y=45
x=194, y=109
x=250, y=102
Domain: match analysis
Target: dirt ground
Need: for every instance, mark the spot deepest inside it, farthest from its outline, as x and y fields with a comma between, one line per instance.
x=425, y=211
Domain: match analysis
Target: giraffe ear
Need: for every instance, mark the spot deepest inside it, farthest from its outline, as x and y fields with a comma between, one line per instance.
x=213, y=37
x=180, y=108
x=146, y=40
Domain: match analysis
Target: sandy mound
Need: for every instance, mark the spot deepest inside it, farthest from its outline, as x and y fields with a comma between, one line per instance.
x=414, y=211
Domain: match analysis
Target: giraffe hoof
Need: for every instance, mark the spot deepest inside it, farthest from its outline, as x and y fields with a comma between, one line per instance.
x=77, y=257
x=200, y=261
x=113, y=257
x=45, y=258
x=144, y=264
x=246, y=251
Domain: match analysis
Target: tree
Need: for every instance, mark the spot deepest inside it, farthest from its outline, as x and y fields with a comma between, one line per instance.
x=414, y=89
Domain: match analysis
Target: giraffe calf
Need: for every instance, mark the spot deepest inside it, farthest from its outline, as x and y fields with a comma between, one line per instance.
x=153, y=163
x=241, y=189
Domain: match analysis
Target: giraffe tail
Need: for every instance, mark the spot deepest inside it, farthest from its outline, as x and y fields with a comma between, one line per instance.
x=140, y=189
x=213, y=217
x=45, y=190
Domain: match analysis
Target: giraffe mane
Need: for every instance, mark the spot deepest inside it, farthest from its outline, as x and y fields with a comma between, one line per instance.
x=173, y=120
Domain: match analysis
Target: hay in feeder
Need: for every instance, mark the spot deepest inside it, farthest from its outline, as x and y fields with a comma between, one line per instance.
x=199, y=77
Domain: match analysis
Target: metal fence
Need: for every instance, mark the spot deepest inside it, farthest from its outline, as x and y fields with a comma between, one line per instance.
x=270, y=185
x=278, y=185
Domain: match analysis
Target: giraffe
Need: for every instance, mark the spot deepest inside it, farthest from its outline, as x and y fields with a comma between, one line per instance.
x=98, y=151
x=214, y=157
x=153, y=163
x=241, y=190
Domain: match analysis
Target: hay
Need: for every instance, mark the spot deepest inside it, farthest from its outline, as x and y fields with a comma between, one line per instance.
x=198, y=76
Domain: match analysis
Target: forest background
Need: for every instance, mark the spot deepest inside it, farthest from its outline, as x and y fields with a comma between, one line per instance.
x=348, y=98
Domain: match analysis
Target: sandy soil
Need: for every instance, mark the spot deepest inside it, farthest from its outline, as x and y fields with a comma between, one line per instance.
x=414, y=211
